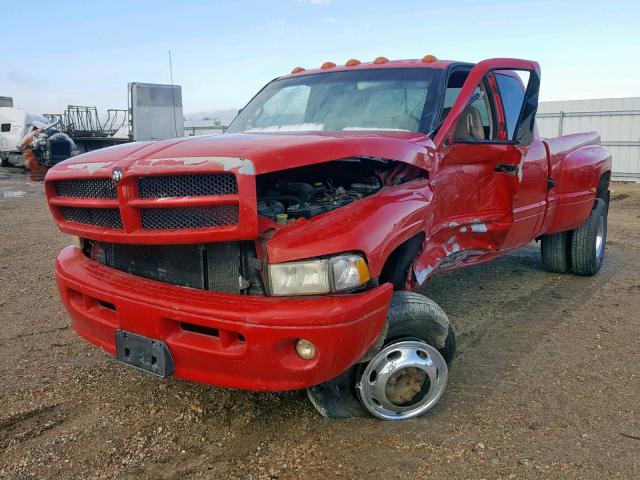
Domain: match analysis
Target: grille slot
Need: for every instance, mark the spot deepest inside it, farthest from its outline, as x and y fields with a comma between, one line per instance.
x=213, y=266
x=86, y=188
x=187, y=185
x=189, y=217
x=101, y=217
x=223, y=267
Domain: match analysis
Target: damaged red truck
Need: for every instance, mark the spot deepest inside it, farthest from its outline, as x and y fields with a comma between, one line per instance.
x=282, y=254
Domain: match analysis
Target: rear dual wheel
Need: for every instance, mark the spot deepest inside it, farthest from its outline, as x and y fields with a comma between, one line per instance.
x=407, y=377
x=581, y=250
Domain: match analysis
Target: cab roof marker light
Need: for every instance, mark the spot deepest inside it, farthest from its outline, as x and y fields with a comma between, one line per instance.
x=353, y=62
x=327, y=65
x=380, y=60
x=297, y=70
x=429, y=58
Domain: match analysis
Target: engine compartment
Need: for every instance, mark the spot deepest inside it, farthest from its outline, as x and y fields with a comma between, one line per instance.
x=305, y=192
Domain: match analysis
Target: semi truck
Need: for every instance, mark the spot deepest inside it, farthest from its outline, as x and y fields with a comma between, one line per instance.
x=286, y=253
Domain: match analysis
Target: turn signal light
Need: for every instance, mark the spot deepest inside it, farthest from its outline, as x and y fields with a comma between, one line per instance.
x=380, y=60
x=297, y=70
x=326, y=65
x=353, y=62
x=429, y=59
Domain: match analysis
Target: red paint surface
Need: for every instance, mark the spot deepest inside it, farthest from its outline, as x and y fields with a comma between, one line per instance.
x=341, y=327
x=467, y=211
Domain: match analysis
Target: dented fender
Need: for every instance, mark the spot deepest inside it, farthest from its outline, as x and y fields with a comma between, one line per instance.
x=375, y=226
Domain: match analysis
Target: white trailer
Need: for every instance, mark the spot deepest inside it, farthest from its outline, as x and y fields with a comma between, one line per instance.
x=155, y=111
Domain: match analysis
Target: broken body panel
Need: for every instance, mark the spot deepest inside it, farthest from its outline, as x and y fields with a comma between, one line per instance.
x=468, y=201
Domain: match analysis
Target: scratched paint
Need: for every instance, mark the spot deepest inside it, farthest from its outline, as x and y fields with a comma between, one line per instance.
x=240, y=165
x=478, y=228
x=90, y=167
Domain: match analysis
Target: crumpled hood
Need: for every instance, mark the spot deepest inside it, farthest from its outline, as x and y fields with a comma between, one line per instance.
x=267, y=152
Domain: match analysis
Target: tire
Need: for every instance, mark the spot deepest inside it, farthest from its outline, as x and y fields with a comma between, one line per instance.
x=588, y=242
x=412, y=315
x=411, y=318
x=555, y=249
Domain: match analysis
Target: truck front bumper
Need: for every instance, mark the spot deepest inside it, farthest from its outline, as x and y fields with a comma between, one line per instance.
x=237, y=341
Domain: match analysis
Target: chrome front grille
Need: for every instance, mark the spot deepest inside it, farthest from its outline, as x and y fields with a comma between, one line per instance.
x=168, y=186
x=86, y=188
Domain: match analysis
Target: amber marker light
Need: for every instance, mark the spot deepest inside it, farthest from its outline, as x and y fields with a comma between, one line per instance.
x=297, y=70
x=353, y=62
x=429, y=59
x=326, y=65
x=380, y=60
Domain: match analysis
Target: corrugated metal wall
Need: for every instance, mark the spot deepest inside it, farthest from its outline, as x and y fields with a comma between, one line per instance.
x=616, y=119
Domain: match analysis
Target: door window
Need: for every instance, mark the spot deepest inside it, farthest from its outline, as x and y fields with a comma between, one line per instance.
x=477, y=120
x=512, y=94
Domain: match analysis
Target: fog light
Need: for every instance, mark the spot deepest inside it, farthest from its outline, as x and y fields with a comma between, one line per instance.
x=305, y=349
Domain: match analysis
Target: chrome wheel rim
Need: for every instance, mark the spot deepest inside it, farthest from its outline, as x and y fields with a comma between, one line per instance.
x=600, y=241
x=404, y=380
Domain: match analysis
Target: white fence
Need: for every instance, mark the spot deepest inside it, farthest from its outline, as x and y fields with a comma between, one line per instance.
x=203, y=127
x=616, y=119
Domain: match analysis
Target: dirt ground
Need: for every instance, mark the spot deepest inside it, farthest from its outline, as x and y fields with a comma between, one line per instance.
x=546, y=383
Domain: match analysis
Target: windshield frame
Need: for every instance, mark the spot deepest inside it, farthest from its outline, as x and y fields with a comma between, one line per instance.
x=428, y=117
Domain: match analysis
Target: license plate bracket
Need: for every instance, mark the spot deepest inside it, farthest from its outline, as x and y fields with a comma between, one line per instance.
x=143, y=353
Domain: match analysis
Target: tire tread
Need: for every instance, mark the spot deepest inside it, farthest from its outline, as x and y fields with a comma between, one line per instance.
x=555, y=252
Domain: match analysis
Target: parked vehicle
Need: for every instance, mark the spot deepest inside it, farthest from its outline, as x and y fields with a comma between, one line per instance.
x=15, y=125
x=282, y=254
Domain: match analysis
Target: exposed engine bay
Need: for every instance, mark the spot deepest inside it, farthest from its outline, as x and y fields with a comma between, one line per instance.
x=305, y=192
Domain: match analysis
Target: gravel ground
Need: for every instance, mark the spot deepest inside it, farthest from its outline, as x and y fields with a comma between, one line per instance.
x=546, y=384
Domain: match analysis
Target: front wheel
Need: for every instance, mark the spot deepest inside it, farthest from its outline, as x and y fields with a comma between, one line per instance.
x=407, y=377
x=588, y=242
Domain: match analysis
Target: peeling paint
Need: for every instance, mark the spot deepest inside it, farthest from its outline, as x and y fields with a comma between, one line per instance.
x=241, y=165
x=479, y=228
x=421, y=275
x=90, y=167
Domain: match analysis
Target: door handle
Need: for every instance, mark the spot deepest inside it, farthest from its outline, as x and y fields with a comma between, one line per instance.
x=507, y=169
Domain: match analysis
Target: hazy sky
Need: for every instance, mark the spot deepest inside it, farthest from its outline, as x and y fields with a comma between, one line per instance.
x=85, y=52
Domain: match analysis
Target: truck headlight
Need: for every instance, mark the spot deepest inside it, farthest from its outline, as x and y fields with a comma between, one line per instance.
x=313, y=277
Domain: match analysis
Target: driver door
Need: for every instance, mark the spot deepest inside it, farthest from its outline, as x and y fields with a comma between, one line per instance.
x=478, y=160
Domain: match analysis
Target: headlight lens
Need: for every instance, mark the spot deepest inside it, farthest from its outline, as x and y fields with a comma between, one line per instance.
x=299, y=278
x=336, y=274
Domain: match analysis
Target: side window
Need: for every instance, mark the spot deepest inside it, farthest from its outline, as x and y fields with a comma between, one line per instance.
x=477, y=120
x=5, y=127
x=512, y=93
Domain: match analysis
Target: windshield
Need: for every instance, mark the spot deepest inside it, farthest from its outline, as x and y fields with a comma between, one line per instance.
x=401, y=99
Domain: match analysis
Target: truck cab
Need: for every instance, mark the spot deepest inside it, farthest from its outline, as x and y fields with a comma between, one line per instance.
x=283, y=254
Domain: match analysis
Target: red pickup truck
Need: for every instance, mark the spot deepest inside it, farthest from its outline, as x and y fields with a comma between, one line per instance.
x=282, y=254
